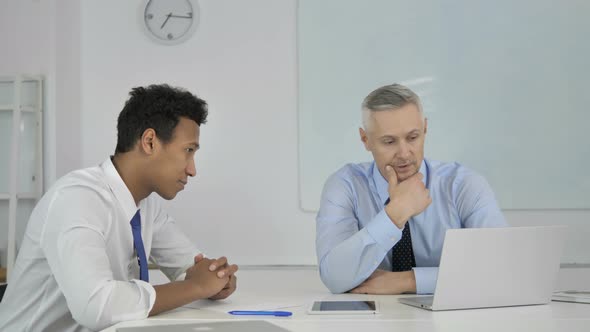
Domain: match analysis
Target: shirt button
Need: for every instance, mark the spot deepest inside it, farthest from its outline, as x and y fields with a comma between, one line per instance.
x=393, y=239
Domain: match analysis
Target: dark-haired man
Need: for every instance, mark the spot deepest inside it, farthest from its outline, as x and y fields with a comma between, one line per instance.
x=83, y=261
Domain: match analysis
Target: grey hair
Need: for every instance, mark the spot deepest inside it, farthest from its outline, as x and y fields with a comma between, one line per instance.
x=388, y=97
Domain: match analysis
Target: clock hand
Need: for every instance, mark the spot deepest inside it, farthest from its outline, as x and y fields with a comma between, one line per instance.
x=166, y=20
x=179, y=16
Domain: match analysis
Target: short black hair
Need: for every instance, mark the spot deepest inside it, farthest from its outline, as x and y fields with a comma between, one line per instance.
x=159, y=107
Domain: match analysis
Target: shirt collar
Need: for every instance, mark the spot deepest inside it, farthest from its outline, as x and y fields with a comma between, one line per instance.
x=382, y=185
x=119, y=188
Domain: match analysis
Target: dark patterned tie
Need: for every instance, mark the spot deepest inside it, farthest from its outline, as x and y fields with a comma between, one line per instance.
x=138, y=245
x=402, y=254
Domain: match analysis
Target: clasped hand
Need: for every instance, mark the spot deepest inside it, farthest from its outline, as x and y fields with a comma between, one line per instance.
x=215, y=277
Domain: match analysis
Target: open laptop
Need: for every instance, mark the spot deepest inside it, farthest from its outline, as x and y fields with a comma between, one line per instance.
x=219, y=326
x=495, y=267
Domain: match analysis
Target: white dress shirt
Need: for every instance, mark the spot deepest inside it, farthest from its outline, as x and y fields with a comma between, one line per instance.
x=76, y=269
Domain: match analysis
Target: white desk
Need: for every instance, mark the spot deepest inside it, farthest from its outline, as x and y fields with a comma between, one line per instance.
x=273, y=288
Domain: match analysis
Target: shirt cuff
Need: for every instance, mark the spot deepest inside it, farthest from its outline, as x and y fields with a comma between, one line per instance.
x=147, y=299
x=384, y=231
x=425, y=279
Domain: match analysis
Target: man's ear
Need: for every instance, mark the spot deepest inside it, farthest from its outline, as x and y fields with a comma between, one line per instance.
x=364, y=138
x=147, y=141
x=425, y=125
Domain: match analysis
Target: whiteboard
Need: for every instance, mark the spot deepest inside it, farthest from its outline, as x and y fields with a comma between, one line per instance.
x=504, y=86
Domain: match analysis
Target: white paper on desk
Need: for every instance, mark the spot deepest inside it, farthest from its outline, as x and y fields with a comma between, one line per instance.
x=572, y=296
x=229, y=305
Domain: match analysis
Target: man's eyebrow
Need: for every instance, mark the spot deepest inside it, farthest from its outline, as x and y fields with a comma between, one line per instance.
x=413, y=131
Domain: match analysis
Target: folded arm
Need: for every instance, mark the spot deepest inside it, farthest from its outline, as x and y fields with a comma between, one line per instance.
x=347, y=256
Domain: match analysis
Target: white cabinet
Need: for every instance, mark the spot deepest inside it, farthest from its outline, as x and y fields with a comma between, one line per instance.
x=21, y=156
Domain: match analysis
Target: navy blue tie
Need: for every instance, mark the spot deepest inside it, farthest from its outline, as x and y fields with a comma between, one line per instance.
x=402, y=254
x=138, y=245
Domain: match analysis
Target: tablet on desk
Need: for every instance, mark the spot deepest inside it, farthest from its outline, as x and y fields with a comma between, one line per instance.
x=343, y=307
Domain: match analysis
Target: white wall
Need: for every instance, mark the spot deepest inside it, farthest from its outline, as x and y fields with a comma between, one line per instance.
x=242, y=60
x=27, y=47
x=26, y=35
x=68, y=83
x=38, y=38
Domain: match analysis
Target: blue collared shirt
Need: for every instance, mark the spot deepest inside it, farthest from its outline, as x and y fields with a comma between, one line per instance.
x=354, y=234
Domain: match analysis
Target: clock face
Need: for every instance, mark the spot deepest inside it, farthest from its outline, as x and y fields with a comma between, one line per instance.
x=170, y=21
